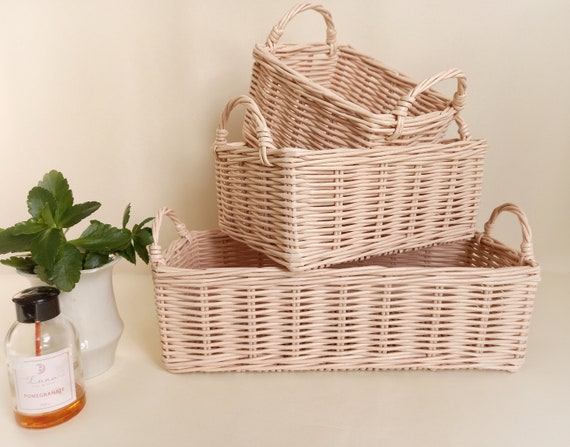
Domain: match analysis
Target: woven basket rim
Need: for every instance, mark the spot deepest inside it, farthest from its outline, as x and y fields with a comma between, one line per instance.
x=525, y=253
x=388, y=119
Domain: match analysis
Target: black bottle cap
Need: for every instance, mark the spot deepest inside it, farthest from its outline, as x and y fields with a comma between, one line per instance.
x=37, y=304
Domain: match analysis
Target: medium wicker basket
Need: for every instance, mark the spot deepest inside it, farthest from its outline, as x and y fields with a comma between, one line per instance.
x=224, y=307
x=326, y=95
x=307, y=209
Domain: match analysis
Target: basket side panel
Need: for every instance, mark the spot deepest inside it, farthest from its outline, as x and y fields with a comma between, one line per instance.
x=359, y=317
x=317, y=208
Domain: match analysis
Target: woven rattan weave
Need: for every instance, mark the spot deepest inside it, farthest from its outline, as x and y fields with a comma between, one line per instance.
x=307, y=209
x=326, y=95
x=224, y=307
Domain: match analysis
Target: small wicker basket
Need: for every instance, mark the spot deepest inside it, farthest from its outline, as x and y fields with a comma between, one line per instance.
x=307, y=209
x=326, y=95
x=224, y=307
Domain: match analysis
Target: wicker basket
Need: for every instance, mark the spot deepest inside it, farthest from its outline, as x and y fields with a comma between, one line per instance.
x=325, y=95
x=224, y=307
x=307, y=209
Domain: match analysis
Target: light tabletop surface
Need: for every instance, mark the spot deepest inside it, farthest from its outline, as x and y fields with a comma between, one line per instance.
x=137, y=403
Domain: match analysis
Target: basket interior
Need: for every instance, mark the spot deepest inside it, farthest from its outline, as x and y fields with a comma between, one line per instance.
x=212, y=250
x=357, y=78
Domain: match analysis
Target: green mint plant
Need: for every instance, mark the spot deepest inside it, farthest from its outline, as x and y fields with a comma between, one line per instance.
x=41, y=246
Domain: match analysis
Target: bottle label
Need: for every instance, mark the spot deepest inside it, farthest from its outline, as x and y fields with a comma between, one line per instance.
x=44, y=383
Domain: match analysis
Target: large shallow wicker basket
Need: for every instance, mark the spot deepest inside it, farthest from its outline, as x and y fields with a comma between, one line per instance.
x=307, y=209
x=224, y=307
x=326, y=95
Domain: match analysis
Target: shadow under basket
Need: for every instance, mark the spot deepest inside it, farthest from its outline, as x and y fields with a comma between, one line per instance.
x=222, y=306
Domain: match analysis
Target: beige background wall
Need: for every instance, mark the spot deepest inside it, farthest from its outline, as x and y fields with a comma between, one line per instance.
x=124, y=96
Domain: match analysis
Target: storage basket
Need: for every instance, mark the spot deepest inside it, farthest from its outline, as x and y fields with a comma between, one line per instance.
x=326, y=95
x=224, y=307
x=307, y=209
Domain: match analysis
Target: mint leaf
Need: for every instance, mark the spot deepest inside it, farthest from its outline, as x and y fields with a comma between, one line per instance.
x=30, y=226
x=143, y=223
x=126, y=215
x=129, y=254
x=46, y=246
x=77, y=213
x=40, y=242
x=40, y=198
x=14, y=243
x=47, y=216
x=57, y=184
x=23, y=263
x=142, y=238
x=102, y=238
x=94, y=260
x=66, y=269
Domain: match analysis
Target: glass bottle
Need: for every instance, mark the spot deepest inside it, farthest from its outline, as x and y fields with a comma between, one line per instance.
x=44, y=365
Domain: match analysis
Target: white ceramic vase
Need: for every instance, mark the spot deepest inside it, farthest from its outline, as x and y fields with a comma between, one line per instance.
x=92, y=308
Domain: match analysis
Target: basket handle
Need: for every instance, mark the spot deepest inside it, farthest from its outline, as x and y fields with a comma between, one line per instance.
x=458, y=101
x=264, y=139
x=155, y=250
x=279, y=28
x=527, y=255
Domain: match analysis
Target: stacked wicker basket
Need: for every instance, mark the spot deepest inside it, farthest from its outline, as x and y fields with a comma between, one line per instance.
x=347, y=229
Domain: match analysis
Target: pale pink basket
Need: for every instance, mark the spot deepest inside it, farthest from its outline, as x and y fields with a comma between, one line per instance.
x=307, y=209
x=326, y=95
x=224, y=307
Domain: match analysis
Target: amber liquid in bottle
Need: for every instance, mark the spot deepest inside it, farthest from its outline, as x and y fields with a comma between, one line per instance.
x=52, y=418
x=44, y=363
